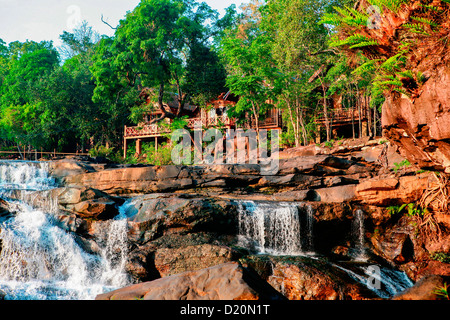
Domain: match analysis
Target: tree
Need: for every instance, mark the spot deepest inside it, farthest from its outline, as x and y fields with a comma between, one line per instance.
x=80, y=41
x=20, y=94
x=252, y=74
x=150, y=49
x=299, y=48
x=28, y=63
x=205, y=75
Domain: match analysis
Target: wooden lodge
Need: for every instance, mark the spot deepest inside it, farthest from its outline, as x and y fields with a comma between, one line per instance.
x=353, y=122
x=213, y=117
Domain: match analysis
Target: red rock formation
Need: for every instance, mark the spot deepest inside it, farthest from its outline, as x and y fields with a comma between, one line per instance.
x=418, y=119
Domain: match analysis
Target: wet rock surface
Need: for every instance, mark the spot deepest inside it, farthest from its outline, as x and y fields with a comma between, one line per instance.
x=184, y=220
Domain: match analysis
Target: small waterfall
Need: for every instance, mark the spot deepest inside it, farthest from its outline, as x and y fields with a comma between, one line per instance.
x=274, y=228
x=309, y=248
x=41, y=261
x=384, y=282
x=358, y=231
x=24, y=175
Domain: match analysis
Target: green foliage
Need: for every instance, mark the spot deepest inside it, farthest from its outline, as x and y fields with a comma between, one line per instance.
x=425, y=21
x=410, y=209
x=443, y=292
x=354, y=41
x=149, y=154
x=441, y=257
x=101, y=151
x=161, y=157
x=393, y=5
x=400, y=165
x=329, y=144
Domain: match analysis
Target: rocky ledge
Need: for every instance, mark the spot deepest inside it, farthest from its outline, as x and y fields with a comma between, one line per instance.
x=183, y=223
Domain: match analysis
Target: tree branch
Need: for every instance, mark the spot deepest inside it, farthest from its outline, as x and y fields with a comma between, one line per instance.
x=108, y=24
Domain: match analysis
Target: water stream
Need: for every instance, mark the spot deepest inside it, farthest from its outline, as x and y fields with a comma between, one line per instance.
x=287, y=228
x=41, y=261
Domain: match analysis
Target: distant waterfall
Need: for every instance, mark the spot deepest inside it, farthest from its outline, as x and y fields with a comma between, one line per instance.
x=23, y=175
x=41, y=261
x=309, y=247
x=358, y=231
x=275, y=228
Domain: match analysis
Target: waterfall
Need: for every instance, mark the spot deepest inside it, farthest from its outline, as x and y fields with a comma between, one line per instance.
x=382, y=281
x=24, y=175
x=358, y=231
x=275, y=228
x=309, y=230
x=41, y=261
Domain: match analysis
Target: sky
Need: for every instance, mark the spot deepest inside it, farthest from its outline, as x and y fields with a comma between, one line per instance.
x=38, y=20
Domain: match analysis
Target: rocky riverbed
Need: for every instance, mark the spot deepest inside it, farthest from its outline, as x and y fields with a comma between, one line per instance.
x=185, y=225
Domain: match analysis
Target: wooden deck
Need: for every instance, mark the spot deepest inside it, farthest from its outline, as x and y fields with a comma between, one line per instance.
x=342, y=116
x=155, y=130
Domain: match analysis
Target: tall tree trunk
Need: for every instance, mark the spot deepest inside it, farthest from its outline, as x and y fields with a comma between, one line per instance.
x=369, y=116
x=255, y=113
x=302, y=124
x=375, y=121
x=293, y=123
x=325, y=111
x=358, y=104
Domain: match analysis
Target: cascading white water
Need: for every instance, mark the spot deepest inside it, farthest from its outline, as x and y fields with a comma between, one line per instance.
x=309, y=248
x=39, y=260
x=277, y=228
x=358, y=231
x=24, y=175
x=272, y=228
x=384, y=282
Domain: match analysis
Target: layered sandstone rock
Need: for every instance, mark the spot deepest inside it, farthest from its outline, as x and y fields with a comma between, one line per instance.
x=228, y=281
x=303, y=278
x=421, y=126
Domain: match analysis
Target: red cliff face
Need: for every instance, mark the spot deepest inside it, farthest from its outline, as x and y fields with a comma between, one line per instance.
x=417, y=120
x=421, y=126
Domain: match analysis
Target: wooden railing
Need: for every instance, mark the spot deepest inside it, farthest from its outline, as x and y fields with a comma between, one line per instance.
x=341, y=115
x=153, y=130
x=145, y=130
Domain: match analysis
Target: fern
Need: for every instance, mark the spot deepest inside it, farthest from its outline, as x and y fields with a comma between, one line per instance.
x=364, y=44
x=416, y=28
x=433, y=8
x=350, y=17
x=426, y=21
x=394, y=63
x=407, y=74
x=354, y=41
x=393, y=5
x=367, y=67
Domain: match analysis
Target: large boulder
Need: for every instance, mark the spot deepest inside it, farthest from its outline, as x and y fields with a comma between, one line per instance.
x=424, y=289
x=170, y=261
x=98, y=209
x=304, y=278
x=229, y=281
x=159, y=214
x=392, y=191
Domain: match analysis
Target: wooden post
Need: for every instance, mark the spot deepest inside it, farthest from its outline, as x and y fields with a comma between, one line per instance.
x=138, y=147
x=318, y=140
x=156, y=144
x=125, y=147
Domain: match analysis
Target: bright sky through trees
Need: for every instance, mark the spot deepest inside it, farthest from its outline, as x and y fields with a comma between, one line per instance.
x=40, y=20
